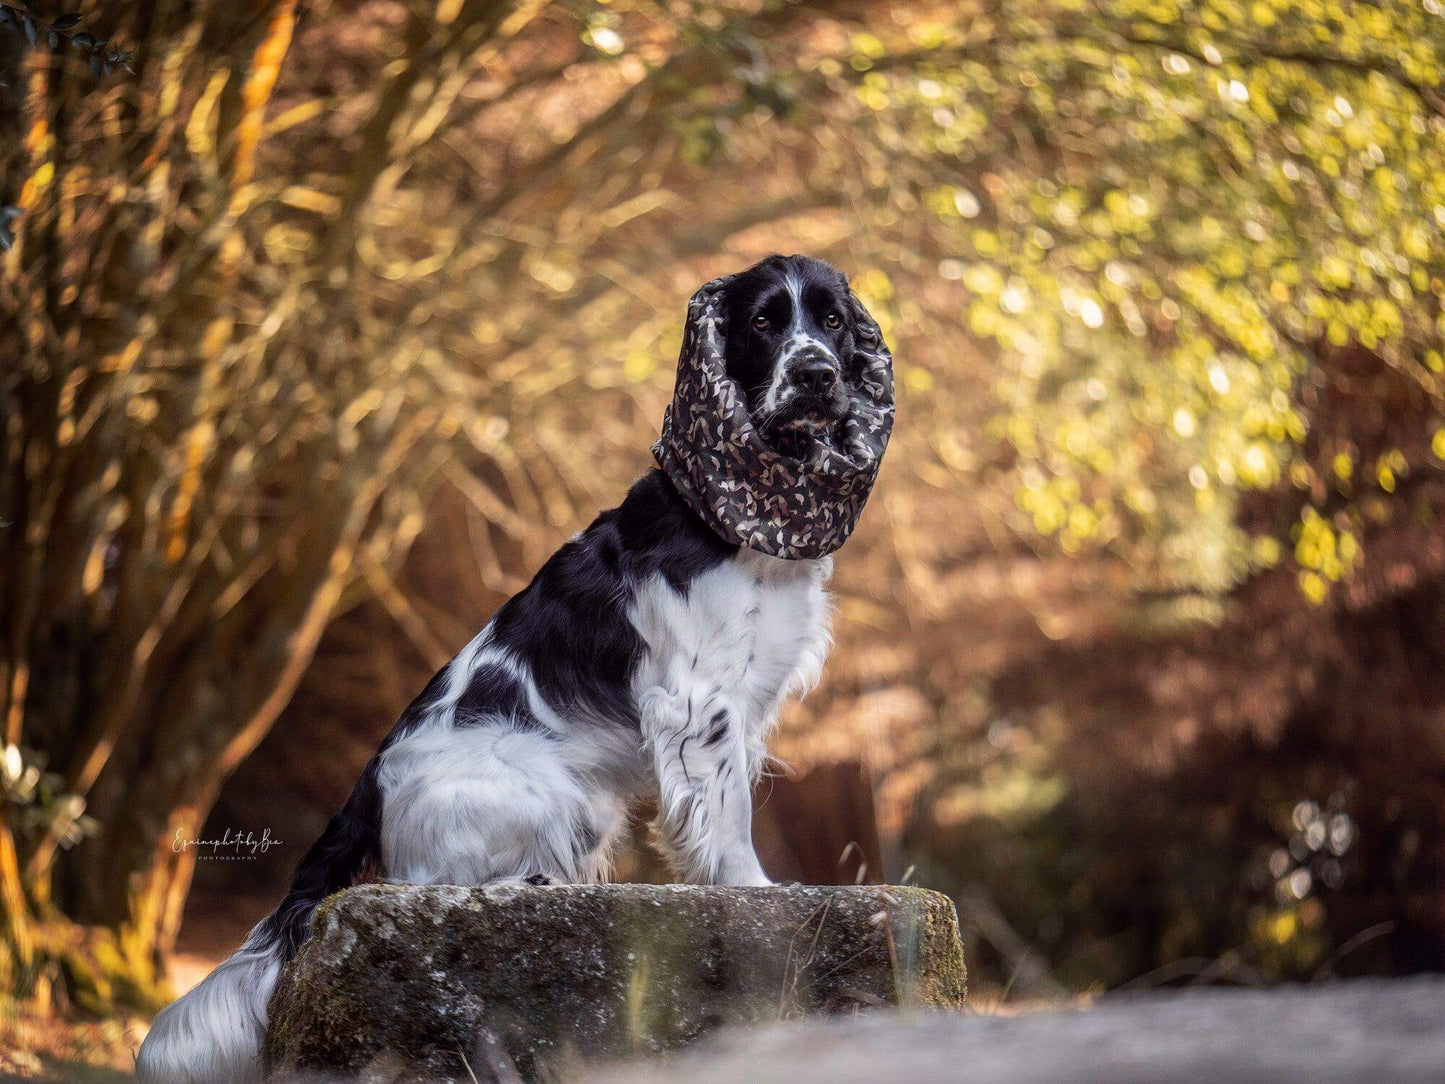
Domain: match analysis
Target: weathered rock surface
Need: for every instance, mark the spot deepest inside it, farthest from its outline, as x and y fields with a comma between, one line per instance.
x=1369, y=1030
x=411, y=983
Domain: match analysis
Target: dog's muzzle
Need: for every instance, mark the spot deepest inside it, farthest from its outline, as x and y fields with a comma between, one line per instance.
x=814, y=372
x=812, y=393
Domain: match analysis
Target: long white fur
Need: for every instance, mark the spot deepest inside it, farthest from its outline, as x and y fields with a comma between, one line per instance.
x=214, y=1033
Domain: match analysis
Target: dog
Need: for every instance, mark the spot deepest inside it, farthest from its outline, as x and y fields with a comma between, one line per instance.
x=648, y=658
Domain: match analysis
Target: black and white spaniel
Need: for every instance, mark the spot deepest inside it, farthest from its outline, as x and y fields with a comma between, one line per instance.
x=647, y=657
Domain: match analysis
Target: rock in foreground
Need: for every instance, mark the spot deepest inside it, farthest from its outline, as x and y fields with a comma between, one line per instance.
x=425, y=983
x=1366, y=1030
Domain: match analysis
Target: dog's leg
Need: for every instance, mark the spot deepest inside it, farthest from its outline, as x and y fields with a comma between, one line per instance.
x=705, y=803
x=490, y=802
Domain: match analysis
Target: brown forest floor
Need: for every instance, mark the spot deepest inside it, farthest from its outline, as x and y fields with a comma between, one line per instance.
x=46, y=1048
x=43, y=1047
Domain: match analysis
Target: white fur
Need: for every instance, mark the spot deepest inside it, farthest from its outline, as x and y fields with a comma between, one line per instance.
x=214, y=1032
x=480, y=800
x=481, y=803
x=721, y=658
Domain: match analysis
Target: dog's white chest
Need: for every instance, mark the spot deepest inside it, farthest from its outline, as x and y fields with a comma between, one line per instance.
x=755, y=627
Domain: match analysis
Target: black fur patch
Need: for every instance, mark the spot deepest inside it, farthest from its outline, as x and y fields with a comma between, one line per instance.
x=351, y=842
x=570, y=624
x=494, y=692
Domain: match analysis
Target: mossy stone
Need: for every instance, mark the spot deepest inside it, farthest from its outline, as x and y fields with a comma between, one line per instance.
x=404, y=982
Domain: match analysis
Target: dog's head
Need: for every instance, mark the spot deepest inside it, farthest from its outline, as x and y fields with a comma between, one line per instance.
x=792, y=328
x=782, y=410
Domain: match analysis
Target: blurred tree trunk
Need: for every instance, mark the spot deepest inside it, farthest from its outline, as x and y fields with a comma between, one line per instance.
x=107, y=583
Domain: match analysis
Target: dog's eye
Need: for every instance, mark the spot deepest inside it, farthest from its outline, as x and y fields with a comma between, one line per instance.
x=762, y=323
x=833, y=320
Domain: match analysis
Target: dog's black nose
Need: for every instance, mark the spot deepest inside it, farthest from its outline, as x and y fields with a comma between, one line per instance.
x=817, y=377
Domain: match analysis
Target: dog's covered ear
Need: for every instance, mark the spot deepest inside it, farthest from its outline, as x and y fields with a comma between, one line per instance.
x=870, y=368
x=865, y=328
x=707, y=313
x=716, y=291
x=867, y=337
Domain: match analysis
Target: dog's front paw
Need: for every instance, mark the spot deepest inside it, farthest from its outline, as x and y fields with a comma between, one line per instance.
x=741, y=870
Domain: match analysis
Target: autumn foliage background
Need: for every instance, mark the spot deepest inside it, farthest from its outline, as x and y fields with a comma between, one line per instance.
x=322, y=325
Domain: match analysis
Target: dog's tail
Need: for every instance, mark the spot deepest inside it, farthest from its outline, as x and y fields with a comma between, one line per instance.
x=214, y=1032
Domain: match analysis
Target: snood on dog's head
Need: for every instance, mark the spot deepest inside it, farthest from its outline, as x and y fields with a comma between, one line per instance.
x=751, y=493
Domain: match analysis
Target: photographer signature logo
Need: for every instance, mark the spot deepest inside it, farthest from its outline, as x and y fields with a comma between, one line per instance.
x=232, y=846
